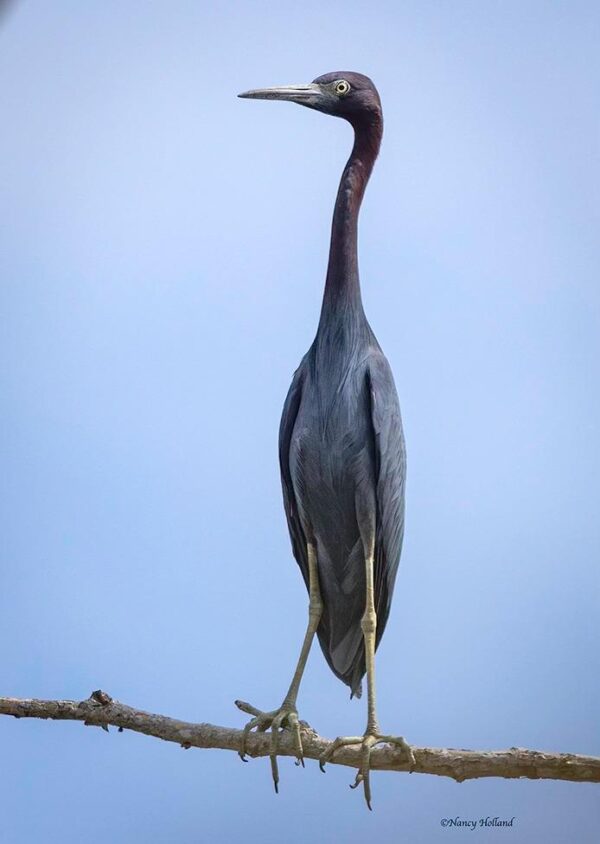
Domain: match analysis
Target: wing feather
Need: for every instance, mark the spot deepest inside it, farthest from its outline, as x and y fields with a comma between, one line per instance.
x=390, y=474
x=286, y=428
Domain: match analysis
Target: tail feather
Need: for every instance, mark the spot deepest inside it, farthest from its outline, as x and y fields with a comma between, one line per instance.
x=342, y=584
x=341, y=637
x=346, y=658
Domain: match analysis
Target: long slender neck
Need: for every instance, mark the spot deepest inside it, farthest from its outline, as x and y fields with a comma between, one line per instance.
x=342, y=287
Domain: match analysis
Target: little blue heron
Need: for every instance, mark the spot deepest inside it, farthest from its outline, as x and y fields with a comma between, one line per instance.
x=341, y=450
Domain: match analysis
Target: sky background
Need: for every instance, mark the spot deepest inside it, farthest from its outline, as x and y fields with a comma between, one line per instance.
x=162, y=254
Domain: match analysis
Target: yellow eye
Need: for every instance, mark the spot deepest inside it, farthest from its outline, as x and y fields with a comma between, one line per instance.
x=341, y=87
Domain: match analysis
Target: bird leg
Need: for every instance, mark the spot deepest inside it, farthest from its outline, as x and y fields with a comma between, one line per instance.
x=372, y=735
x=286, y=717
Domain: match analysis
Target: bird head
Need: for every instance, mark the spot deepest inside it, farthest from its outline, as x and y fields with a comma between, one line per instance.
x=341, y=94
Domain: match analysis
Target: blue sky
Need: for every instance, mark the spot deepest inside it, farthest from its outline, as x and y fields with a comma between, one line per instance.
x=162, y=253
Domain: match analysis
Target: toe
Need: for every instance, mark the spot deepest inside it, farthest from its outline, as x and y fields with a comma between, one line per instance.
x=275, y=728
x=297, y=737
x=367, y=788
x=245, y=733
x=275, y=773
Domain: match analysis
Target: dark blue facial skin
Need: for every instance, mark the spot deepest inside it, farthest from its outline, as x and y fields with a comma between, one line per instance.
x=361, y=100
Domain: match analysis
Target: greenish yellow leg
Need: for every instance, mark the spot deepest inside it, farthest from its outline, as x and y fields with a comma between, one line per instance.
x=286, y=717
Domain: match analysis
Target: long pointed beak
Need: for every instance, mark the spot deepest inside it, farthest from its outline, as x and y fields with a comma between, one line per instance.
x=304, y=94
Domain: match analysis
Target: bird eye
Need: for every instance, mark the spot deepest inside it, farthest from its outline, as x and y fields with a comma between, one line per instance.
x=341, y=87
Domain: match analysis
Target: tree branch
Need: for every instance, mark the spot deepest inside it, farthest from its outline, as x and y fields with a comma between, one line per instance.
x=101, y=710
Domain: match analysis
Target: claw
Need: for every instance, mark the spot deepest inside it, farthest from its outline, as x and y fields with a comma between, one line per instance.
x=341, y=741
x=357, y=781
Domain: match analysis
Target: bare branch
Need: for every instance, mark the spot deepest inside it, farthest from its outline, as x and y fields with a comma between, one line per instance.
x=101, y=710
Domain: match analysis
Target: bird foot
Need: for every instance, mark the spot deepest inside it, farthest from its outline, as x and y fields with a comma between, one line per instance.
x=367, y=743
x=286, y=717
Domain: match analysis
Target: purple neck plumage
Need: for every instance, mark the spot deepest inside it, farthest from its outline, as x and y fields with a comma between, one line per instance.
x=342, y=287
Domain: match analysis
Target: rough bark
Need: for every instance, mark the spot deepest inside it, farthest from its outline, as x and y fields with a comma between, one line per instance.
x=101, y=710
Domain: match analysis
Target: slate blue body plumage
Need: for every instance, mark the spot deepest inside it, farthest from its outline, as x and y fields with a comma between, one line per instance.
x=341, y=445
x=343, y=469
